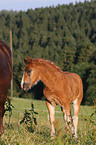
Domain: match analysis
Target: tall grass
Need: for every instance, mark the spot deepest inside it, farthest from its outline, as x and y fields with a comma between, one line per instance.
x=20, y=135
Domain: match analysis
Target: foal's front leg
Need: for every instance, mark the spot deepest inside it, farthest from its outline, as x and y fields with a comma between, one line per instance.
x=52, y=117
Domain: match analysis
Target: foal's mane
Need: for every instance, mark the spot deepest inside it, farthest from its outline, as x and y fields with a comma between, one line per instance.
x=47, y=63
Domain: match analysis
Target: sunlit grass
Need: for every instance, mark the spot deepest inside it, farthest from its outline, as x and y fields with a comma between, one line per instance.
x=18, y=134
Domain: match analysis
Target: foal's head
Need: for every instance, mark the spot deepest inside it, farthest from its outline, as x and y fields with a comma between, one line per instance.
x=30, y=76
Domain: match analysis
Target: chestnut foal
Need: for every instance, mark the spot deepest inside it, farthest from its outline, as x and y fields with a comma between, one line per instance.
x=61, y=88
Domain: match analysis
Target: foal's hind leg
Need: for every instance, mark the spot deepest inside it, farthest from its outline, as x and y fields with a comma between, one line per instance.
x=64, y=114
x=67, y=115
x=76, y=108
x=52, y=117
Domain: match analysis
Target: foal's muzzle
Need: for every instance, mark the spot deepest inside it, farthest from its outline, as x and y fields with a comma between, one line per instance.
x=26, y=86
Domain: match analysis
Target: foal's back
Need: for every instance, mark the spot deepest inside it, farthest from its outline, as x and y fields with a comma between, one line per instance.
x=69, y=87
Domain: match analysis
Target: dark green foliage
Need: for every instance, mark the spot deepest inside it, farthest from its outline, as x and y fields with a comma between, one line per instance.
x=29, y=118
x=65, y=34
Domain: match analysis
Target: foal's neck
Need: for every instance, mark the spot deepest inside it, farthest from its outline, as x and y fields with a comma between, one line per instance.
x=47, y=77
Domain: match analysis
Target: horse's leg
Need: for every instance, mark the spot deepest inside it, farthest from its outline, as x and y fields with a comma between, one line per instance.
x=52, y=117
x=76, y=108
x=2, y=102
x=64, y=114
x=1, y=118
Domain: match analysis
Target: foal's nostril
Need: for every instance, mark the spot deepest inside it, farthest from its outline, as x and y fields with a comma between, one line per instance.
x=25, y=86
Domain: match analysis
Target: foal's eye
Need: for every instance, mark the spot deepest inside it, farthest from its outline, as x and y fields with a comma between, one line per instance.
x=28, y=72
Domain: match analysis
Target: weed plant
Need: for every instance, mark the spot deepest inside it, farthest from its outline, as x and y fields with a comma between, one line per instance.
x=29, y=118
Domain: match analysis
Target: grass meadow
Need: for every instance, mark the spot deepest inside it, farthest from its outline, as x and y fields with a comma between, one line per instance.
x=19, y=134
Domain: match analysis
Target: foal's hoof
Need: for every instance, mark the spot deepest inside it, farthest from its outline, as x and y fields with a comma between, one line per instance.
x=75, y=136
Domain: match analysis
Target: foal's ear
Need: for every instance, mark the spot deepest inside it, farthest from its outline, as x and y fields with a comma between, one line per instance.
x=28, y=60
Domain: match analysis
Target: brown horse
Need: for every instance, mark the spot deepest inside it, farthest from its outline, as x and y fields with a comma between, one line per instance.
x=5, y=78
x=61, y=88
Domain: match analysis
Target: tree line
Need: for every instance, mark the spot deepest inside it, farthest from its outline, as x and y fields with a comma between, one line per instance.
x=65, y=34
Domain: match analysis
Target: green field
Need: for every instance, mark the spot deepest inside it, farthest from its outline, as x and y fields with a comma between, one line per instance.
x=17, y=134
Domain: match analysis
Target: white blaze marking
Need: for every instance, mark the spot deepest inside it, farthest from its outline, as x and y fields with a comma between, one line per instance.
x=22, y=81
